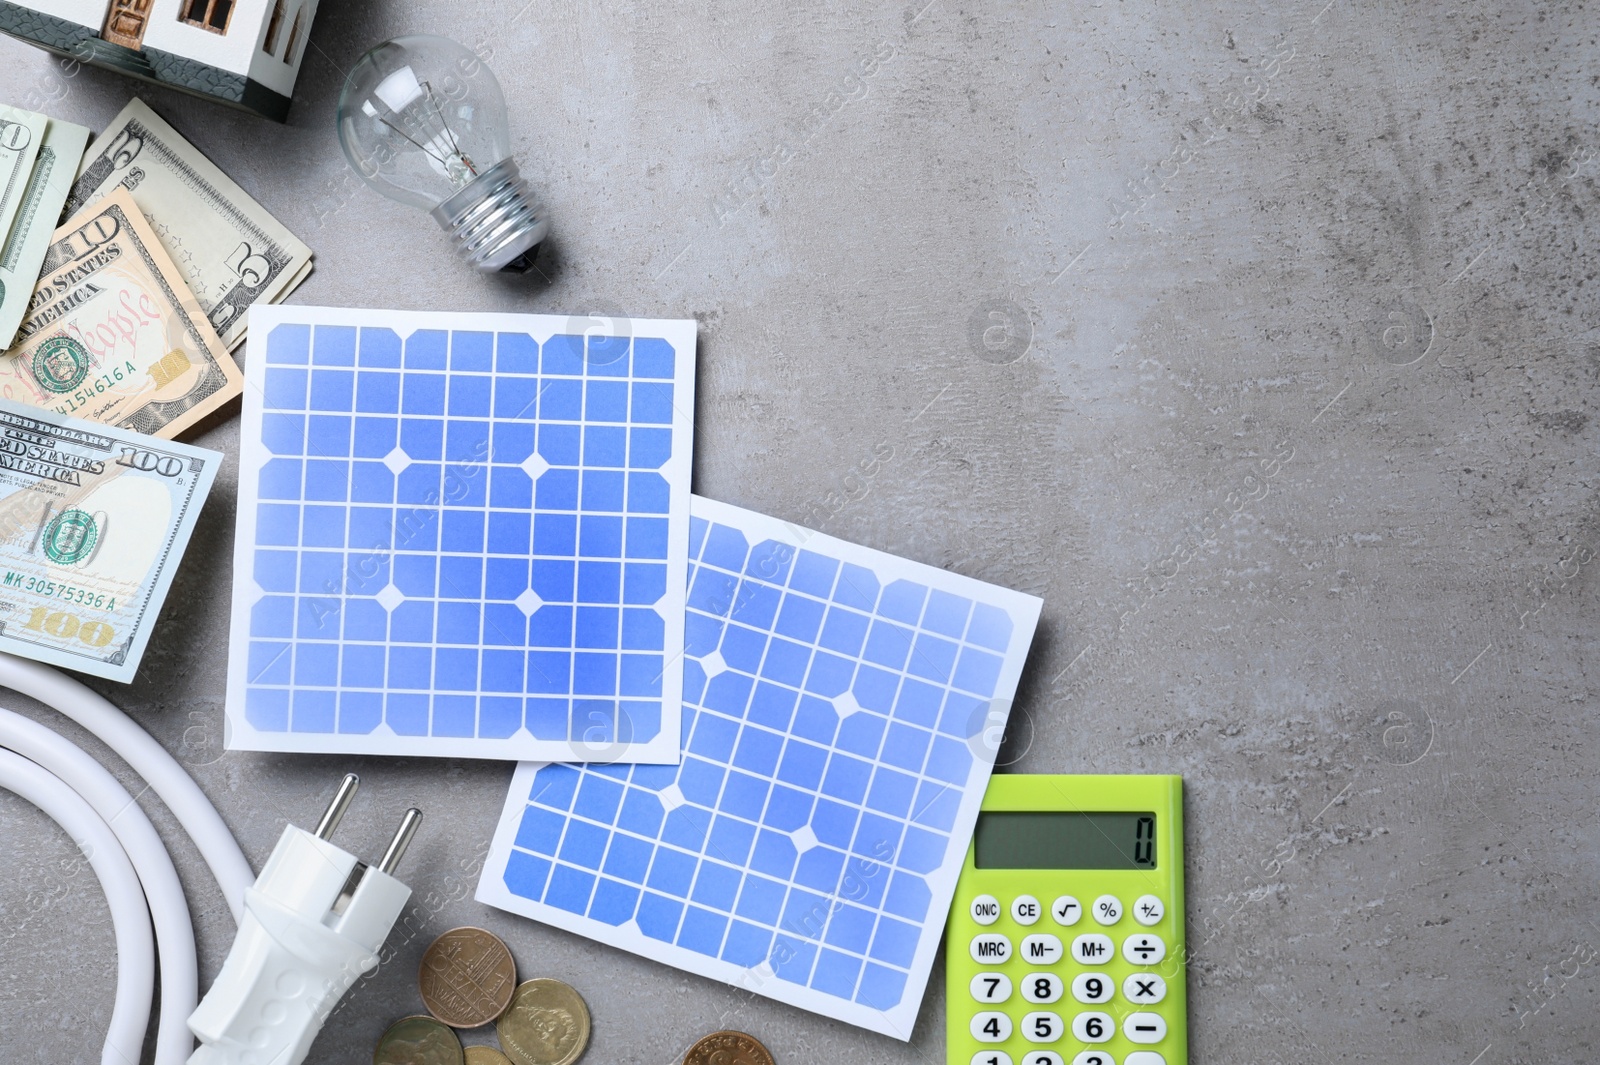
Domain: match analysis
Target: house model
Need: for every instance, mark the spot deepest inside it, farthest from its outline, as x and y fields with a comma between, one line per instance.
x=243, y=52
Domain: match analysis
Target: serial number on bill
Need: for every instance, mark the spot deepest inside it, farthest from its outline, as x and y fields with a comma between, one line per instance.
x=67, y=593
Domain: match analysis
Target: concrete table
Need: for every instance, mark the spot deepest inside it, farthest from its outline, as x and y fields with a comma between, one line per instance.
x=1263, y=344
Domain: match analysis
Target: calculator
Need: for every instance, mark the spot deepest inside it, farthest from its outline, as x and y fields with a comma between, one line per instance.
x=1066, y=937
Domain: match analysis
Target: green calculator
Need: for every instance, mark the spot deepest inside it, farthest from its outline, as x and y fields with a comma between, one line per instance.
x=1066, y=942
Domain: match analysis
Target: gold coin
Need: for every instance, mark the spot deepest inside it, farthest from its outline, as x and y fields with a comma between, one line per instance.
x=467, y=977
x=547, y=1024
x=418, y=1041
x=728, y=1048
x=486, y=1056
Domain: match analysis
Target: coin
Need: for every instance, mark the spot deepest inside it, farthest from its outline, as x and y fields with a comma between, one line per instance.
x=486, y=1056
x=728, y=1048
x=418, y=1041
x=467, y=977
x=547, y=1024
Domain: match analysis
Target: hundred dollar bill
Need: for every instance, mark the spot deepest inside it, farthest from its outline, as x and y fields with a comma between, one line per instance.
x=113, y=335
x=231, y=251
x=93, y=522
x=40, y=213
x=21, y=133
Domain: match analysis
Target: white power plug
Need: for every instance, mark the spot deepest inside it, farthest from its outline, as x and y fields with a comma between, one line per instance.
x=313, y=923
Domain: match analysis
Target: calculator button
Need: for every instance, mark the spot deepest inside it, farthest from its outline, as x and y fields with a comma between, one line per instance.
x=1041, y=1057
x=1066, y=911
x=985, y=910
x=1093, y=1027
x=1144, y=1057
x=1147, y=910
x=1042, y=1027
x=1144, y=1027
x=1145, y=989
x=1042, y=948
x=991, y=987
x=1092, y=987
x=1094, y=1057
x=990, y=947
x=991, y=1057
x=1025, y=909
x=1090, y=949
x=1042, y=987
x=1107, y=909
x=991, y=1027
x=1146, y=948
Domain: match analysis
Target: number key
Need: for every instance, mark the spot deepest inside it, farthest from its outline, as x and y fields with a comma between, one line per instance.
x=1093, y=1027
x=1042, y=987
x=1042, y=1027
x=1094, y=1057
x=991, y=987
x=991, y=1057
x=1092, y=987
x=1041, y=1057
x=991, y=1027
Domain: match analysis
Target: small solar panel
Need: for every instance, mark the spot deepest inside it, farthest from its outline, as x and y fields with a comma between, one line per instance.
x=461, y=535
x=842, y=708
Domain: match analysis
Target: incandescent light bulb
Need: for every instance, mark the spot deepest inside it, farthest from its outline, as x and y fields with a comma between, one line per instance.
x=423, y=121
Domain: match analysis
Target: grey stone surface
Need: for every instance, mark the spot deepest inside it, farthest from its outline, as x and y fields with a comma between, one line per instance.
x=1255, y=339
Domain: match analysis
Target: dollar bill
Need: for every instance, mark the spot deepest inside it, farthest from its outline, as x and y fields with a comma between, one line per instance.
x=113, y=335
x=37, y=219
x=93, y=522
x=231, y=251
x=21, y=133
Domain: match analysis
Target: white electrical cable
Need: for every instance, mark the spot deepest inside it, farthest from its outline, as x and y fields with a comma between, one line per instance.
x=169, y=911
x=150, y=760
x=136, y=960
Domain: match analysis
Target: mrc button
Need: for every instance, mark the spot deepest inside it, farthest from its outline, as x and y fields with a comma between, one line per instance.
x=990, y=947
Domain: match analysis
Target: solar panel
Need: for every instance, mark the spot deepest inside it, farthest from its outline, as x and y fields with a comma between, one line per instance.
x=842, y=709
x=461, y=535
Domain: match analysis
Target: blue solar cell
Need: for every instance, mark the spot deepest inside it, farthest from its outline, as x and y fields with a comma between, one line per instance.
x=628, y=858
x=857, y=587
x=702, y=931
x=658, y=916
x=289, y=344
x=569, y=889
x=613, y=902
x=747, y=944
x=730, y=839
x=836, y=974
x=799, y=618
x=977, y=671
x=894, y=942
x=850, y=928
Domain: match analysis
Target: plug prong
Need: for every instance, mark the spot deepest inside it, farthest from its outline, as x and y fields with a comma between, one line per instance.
x=402, y=840
x=341, y=802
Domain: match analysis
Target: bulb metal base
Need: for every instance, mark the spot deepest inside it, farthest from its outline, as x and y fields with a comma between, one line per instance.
x=493, y=221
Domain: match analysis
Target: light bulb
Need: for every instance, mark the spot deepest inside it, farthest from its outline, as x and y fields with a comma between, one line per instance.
x=423, y=121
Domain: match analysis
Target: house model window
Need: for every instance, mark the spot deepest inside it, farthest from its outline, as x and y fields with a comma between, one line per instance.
x=209, y=14
x=270, y=45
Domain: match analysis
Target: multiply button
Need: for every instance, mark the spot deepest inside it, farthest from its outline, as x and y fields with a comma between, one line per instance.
x=1107, y=909
x=1093, y=949
x=1041, y=949
x=1145, y=949
x=1066, y=911
x=991, y=947
x=985, y=910
x=1144, y=988
x=1144, y=1027
x=1147, y=910
x=1025, y=909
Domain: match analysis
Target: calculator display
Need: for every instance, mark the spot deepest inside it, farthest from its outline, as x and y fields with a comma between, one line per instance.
x=1064, y=840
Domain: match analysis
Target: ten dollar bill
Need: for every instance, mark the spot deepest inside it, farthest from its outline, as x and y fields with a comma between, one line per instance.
x=113, y=335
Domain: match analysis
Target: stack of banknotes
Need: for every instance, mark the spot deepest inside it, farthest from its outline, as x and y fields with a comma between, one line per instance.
x=127, y=270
